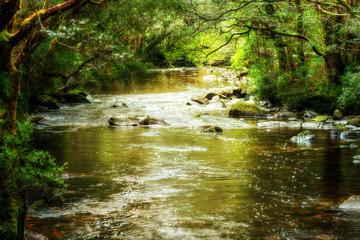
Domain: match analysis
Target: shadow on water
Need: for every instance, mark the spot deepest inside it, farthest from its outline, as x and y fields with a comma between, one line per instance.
x=175, y=182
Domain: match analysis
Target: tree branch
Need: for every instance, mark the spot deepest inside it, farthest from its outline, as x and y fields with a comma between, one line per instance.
x=348, y=8
x=32, y=21
x=228, y=41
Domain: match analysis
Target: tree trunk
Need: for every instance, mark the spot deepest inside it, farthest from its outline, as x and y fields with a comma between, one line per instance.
x=333, y=57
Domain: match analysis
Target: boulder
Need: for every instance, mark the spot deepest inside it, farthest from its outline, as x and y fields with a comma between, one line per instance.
x=34, y=236
x=152, y=121
x=285, y=115
x=202, y=101
x=225, y=93
x=351, y=204
x=123, y=120
x=304, y=137
x=345, y=135
x=72, y=97
x=355, y=122
x=37, y=119
x=310, y=114
x=47, y=101
x=320, y=118
x=211, y=129
x=338, y=129
x=242, y=108
x=337, y=115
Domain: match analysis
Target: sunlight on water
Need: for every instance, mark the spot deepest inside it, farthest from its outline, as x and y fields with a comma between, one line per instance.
x=174, y=182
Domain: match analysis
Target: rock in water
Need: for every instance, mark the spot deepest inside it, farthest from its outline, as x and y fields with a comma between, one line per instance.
x=34, y=236
x=349, y=135
x=211, y=129
x=123, y=120
x=152, y=121
x=337, y=115
x=242, y=108
x=285, y=115
x=352, y=203
x=305, y=137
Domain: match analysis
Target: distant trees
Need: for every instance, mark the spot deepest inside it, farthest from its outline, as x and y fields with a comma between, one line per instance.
x=291, y=45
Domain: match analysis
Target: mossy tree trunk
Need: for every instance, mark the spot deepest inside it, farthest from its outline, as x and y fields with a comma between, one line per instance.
x=13, y=197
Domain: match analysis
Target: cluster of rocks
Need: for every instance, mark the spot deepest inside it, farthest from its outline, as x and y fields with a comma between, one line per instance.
x=129, y=120
x=57, y=100
x=218, y=94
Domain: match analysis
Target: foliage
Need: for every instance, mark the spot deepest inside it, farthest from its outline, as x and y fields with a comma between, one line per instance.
x=39, y=171
x=350, y=95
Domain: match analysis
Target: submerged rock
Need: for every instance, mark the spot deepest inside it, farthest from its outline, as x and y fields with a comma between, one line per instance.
x=211, y=129
x=123, y=120
x=304, y=137
x=120, y=105
x=349, y=135
x=351, y=204
x=285, y=115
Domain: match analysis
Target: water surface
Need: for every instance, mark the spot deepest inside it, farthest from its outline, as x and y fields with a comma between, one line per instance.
x=174, y=182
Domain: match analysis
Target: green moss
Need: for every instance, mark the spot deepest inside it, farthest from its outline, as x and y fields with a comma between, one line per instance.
x=355, y=122
x=321, y=118
x=39, y=204
x=5, y=37
x=47, y=101
x=337, y=115
x=340, y=128
x=305, y=133
x=242, y=108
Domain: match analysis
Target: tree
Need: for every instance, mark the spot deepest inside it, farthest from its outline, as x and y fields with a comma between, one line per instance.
x=16, y=34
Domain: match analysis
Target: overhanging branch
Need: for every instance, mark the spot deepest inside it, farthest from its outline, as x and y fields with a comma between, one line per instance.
x=228, y=41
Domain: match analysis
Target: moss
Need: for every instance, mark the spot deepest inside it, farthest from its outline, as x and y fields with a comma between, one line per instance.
x=305, y=133
x=5, y=37
x=242, y=108
x=47, y=101
x=340, y=128
x=39, y=204
x=337, y=115
x=355, y=122
x=321, y=118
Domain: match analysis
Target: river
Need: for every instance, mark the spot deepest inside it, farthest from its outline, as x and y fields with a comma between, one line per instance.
x=174, y=182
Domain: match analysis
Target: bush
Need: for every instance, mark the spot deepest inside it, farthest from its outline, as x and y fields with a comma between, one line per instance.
x=349, y=100
x=21, y=166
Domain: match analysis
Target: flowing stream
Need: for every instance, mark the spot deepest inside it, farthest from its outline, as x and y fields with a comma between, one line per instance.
x=174, y=182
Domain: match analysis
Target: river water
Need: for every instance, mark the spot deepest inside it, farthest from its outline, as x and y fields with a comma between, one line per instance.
x=174, y=182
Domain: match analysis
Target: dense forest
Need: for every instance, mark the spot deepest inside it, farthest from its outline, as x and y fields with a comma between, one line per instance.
x=297, y=53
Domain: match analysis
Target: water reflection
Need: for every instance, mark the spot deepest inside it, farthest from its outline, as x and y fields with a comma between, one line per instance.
x=175, y=182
